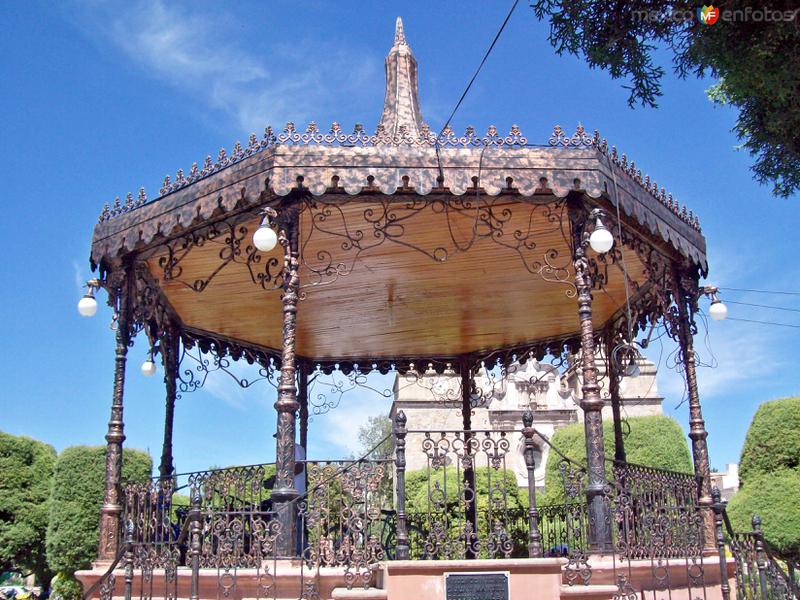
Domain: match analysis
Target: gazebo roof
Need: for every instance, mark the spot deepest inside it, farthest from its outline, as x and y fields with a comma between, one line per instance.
x=412, y=176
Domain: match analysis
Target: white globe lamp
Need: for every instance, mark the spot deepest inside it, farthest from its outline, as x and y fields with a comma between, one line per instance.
x=148, y=367
x=718, y=311
x=265, y=238
x=87, y=306
x=601, y=239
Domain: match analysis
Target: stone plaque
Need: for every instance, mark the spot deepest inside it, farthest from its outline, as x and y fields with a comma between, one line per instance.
x=485, y=585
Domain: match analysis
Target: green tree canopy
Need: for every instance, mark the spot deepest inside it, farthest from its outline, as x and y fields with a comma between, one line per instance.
x=755, y=61
x=773, y=497
x=78, y=485
x=375, y=437
x=26, y=472
x=656, y=441
x=772, y=443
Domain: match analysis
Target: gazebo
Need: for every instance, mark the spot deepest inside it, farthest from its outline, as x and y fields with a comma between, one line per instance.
x=412, y=252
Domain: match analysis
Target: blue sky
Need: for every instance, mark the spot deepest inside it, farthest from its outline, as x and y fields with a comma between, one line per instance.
x=101, y=98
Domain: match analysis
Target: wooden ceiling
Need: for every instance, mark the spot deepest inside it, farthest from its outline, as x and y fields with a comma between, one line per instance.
x=396, y=297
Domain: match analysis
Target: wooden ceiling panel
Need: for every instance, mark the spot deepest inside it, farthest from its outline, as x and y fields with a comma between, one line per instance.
x=393, y=296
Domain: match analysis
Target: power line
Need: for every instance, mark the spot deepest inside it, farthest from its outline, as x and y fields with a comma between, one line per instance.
x=471, y=81
x=762, y=306
x=762, y=322
x=480, y=66
x=760, y=291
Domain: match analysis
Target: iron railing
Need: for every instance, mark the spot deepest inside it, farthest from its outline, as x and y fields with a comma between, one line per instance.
x=465, y=503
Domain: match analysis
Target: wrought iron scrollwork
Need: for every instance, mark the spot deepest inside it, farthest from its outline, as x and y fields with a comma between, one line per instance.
x=356, y=229
x=231, y=238
x=195, y=367
x=326, y=388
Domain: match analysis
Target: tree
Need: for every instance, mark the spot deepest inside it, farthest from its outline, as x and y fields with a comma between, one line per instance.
x=772, y=442
x=769, y=476
x=753, y=57
x=26, y=468
x=773, y=497
x=375, y=437
x=656, y=441
x=78, y=487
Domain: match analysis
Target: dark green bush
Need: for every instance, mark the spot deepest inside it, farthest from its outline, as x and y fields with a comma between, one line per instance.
x=775, y=498
x=77, y=495
x=655, y=441
x=508, y=503
x=66, y=587
x=773, y=440
x=26, y=472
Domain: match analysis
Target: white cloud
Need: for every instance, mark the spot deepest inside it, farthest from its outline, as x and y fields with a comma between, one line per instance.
x=730, y=361
x=80, y=279
x=336, y=432
x=199, y=54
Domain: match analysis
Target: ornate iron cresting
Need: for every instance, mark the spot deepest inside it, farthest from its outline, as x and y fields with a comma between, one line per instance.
x=286, y=405
x=591, y=401
x=118, y=284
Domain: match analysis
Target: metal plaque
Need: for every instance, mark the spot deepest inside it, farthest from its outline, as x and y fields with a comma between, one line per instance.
x=485, y=585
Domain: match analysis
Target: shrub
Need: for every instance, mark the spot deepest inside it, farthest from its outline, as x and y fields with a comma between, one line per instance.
x=26, y=471
x=774, y=498
x=656, y=441
x=77, y=495
x=773, y=440
x=508, y=503
x=66, y=587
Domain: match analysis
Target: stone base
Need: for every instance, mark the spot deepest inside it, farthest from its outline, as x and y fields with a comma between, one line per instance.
x=281, y=579
x=541, y=578
x=424, y=579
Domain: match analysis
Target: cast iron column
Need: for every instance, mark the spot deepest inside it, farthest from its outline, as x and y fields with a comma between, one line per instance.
x=286, y=405
x=112, y=508
x=697, y=427
x=613, y=392
x=600, y=540
x=302, y=397
x=170, y=347
x=470, y=512
x=534, y=537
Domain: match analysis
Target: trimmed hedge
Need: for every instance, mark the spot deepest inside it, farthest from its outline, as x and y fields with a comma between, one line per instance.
x=772, y=443
x=656, y=441
x=26, y=468
x=773, y=497
x=78, y=485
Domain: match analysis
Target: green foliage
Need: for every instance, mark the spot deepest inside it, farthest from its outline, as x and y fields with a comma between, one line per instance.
x=656, y=441
x=754, y=60
x=375, y=437
x=26, y=471
x=75, y=501
x=774, y=498
x=66, y=587
x=773, y=440
x=424, y=490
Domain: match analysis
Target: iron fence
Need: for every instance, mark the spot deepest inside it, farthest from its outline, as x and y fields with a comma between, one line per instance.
x=465, y=503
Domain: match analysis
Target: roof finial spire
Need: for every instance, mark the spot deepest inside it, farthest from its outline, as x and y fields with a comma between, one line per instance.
x=399, y=34
x=401, y=104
